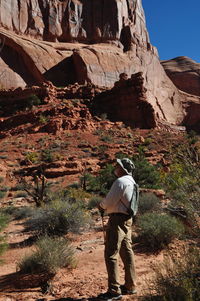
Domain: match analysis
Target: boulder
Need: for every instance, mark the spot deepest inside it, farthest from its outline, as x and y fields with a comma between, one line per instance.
x=184, y=73
x=26, y=62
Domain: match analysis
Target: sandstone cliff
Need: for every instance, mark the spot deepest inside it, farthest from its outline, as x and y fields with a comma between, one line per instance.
x=185, y=74
x=86, y=42
x=85, y=21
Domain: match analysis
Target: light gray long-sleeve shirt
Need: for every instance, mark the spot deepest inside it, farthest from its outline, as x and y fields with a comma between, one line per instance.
x=119, y=197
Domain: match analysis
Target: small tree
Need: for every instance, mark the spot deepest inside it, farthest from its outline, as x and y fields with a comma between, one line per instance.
x=37, y=190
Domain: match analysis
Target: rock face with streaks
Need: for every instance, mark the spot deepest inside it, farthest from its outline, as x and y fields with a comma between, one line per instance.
x=88, y=21
x=185, y=74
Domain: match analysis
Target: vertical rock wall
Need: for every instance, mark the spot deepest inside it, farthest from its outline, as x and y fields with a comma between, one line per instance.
x=121, y=21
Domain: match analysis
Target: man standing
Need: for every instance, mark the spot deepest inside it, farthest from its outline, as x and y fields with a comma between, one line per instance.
x=118, y=233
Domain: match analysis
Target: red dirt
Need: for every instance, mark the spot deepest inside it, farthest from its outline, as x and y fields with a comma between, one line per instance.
x=87, y=280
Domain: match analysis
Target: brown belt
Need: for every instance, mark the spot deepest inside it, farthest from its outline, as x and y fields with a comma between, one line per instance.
x=119, y=214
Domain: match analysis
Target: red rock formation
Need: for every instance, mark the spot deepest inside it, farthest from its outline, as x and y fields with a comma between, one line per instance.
x=184, y=73
x=117, y=45
x=72, y=20
x=129, y=102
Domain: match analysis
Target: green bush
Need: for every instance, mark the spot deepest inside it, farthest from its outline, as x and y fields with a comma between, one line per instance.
x=47, y=156
x=93, y=202
x=2, y=194
x=50, y=255
x=148, y=202
x=182, y=183
x=23, y=212
x=157, y=230
x=3, y=223
x=34, y=157
x=8, y=211
x=58, y=218
x=146, y=174
x=107, y=138
x=177, y=278
x=101, y=183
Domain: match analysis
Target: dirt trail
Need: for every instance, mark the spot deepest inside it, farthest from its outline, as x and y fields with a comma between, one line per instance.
x=86, y=281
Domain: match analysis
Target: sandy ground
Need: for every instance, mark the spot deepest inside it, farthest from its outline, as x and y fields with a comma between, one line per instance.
x=84, y=282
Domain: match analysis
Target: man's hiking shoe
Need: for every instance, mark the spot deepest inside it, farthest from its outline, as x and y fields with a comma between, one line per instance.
x=125, y=291
x=110, y=296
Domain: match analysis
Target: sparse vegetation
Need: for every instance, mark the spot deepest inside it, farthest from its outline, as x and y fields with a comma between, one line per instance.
x=2, y=194
x=148, y=202
x=43, y=119
x=3, y=224
x=146, y=174
x=33, y=157
x=50, y=255
x=58, y=218
x=93, y=202
x=182, y=183
x=101, y=183
x=157, y=230
x=38, y=191
x=178, y=278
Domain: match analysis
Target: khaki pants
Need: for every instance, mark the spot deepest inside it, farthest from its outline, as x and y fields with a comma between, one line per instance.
x=118, y=242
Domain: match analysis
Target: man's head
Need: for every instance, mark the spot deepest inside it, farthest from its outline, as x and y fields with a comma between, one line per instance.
x=124, y=167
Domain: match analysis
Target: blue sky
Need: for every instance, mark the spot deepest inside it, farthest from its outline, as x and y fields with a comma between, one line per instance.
x=174, y=27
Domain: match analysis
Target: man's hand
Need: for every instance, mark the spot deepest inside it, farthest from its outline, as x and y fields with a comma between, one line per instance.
x=101, y=210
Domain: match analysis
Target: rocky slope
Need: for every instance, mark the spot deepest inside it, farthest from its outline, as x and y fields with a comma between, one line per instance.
x=185, y=74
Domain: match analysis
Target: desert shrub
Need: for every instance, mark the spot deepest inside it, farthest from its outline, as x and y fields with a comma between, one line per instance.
x=47, y=156
x=21, y=194
x=1, y=179
x=2, y=194
x=101, y=183
x=43, y=119
x=93, y=202
x=50, y=255
x=9, y=210
x=157, y=230
x=148, y=202
x=38, y=190
x=107, y=138
x=17, y=212
x=74, y=193
x=33, y=100
x=58, y=218
x=146, y=174
x=178, y=278
x=23, y=212
x=3, y=223
x=182, y=183
x=5, y=188
x=33, y=157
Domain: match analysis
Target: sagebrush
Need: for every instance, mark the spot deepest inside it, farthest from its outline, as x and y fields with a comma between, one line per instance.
x=50, y=255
